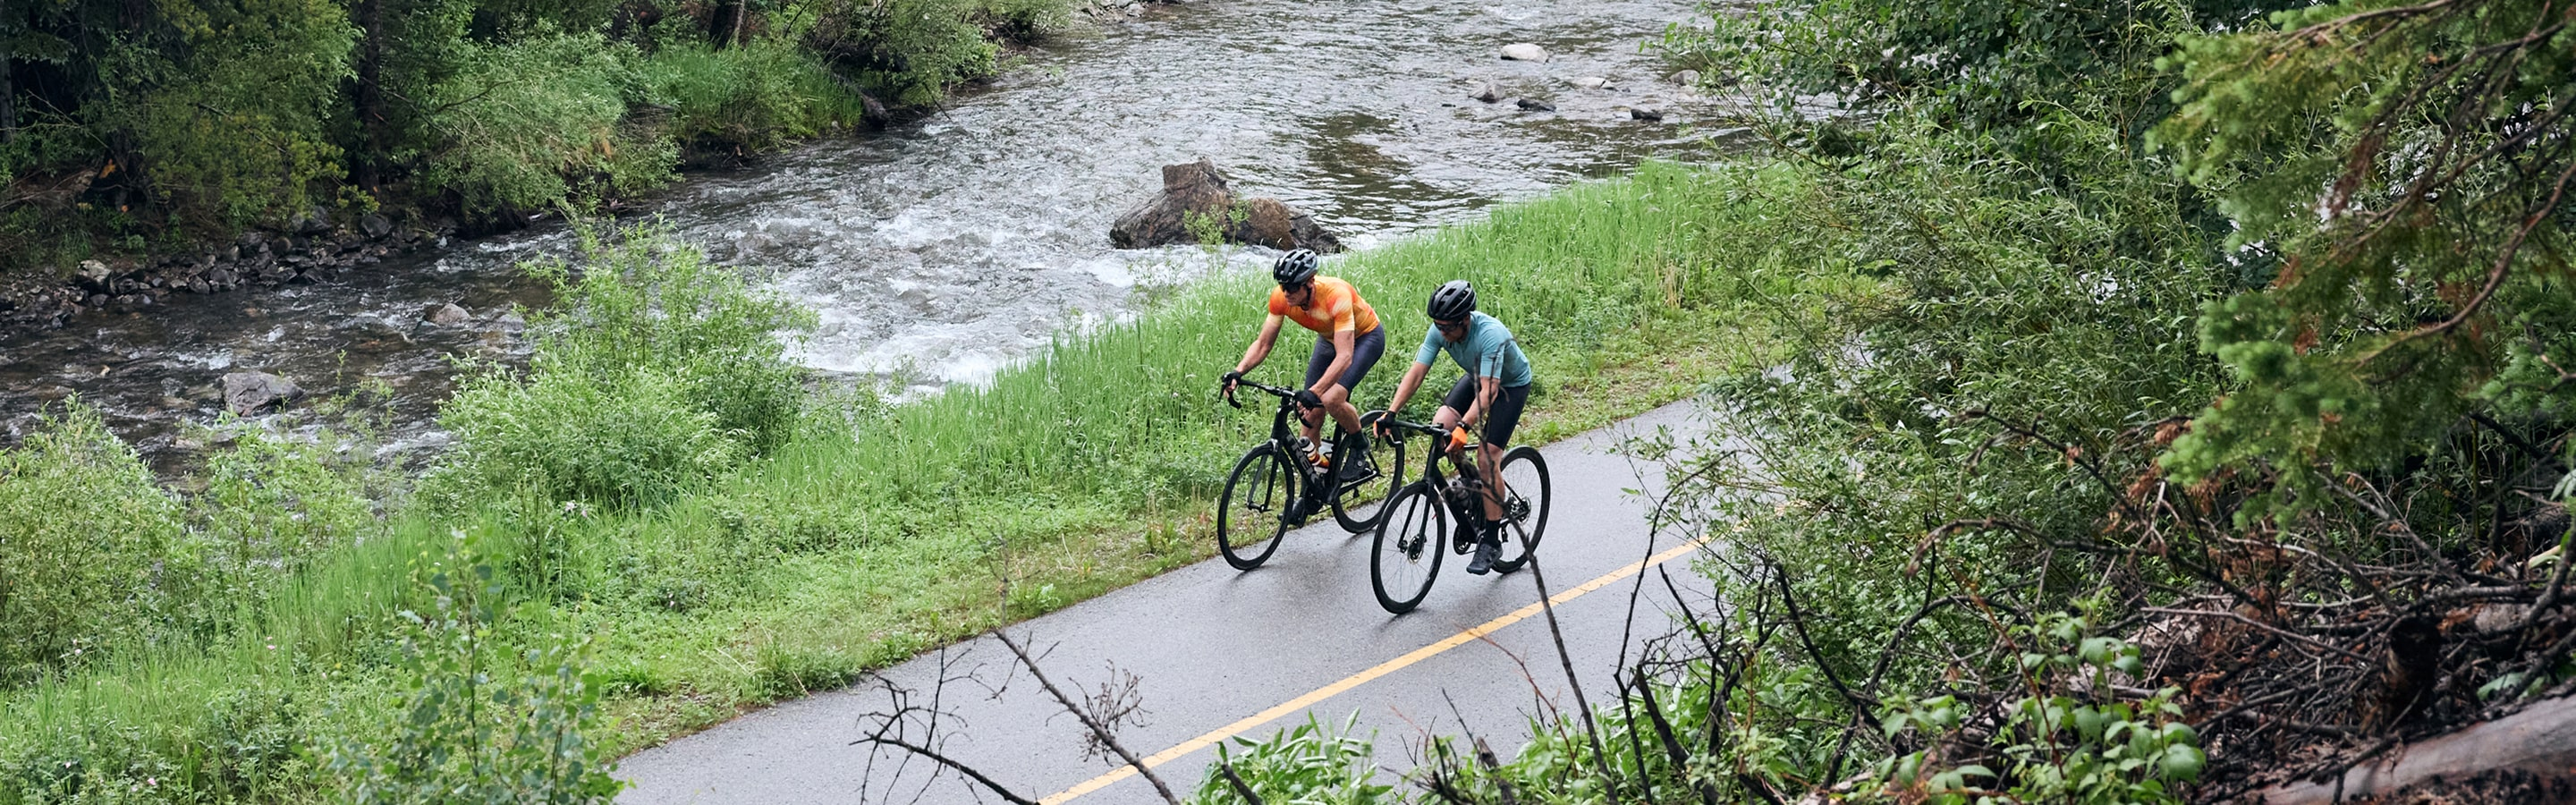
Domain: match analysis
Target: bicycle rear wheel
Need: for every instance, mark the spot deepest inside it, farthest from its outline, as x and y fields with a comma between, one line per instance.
x=1251, y=515
x=1406, y=554
x=1525, y=499
x=1384, y=465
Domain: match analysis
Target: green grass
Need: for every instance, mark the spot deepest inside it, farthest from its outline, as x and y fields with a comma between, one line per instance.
x=845, y=549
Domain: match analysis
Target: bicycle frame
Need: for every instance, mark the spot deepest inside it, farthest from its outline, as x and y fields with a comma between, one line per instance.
x=1439, y=482
x=1285, y=438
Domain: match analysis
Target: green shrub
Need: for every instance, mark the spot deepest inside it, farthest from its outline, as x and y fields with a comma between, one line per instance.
x=92, y=552
x=1309, y=764
x=911, y=51
x=2063, y=743
x=658, y=372
x=756, y=97
x=1021, y=21
x=624, y=439
x=531, y=124
x=481, y=723
x=272, y=505
x=642, y=300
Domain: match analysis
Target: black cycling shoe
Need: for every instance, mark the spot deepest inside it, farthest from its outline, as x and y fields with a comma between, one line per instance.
x=1486, y=550
x=1355, y=470
x=1298, y=511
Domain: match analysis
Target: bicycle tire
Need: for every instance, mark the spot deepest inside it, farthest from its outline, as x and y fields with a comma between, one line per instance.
x=1386, y=456
x=1251, y=516
x=1525, y=518
x=1405, y=556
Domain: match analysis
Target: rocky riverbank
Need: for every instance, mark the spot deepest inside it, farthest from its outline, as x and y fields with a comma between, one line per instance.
x=313, y=250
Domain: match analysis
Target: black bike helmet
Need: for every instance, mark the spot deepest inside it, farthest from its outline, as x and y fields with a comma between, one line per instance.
x=1452, y=302
x=1294, y=268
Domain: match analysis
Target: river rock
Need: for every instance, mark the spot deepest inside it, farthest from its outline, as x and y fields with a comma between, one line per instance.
x=1686, y=78
x=1592, y=82
x=247, y=393
x=450, y=315
x=1524, y=51
x=1487, y=92
x=93, y=275
x=1535, y=105
x=313, y=222
x=1195, y=190
x=1648, y=114
x=375, y=226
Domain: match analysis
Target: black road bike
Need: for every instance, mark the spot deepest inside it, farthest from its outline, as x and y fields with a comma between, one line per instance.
x=1415, y=527
x=1252, y=515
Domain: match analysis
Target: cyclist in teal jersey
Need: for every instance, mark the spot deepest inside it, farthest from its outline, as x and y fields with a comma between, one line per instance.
x=1492, y=393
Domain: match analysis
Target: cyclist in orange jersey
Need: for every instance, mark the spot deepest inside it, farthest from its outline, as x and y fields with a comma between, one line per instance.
x=1348, y=341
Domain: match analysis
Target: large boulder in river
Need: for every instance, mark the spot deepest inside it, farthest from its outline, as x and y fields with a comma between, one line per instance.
x=1195, y=191
x=247, y=393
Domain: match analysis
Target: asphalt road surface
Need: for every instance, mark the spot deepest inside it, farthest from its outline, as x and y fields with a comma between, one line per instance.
x=1216, y=653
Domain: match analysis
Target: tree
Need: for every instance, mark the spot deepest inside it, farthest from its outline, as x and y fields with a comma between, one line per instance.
x=2409, y=165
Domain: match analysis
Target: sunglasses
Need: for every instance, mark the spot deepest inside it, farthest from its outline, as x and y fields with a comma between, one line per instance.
x=1449, y=325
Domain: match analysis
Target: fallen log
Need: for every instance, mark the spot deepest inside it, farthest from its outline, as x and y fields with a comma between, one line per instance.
x=2541, y=739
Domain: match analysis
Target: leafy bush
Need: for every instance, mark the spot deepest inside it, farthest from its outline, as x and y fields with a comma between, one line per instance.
x=272, y=505
x=531, y=124
x=910, y=50
x=621, y=439
x=1311, y=764
x=93, y=554
x=756, y=96
x=478, y=724
x=642, y=300
x=2066, y=743
x=658, y=372
x=235, y=126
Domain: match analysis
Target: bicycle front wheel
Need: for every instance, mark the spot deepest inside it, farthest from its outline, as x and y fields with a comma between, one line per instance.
x=1525, y=499
x=1251, y=516
x=1408, y=548
x=1381, y=473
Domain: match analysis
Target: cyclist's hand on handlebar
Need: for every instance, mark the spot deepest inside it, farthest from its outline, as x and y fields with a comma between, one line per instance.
x=1309, y=399
x=1225, y=383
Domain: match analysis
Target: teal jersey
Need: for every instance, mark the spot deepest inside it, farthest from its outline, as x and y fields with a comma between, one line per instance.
x=1487, y=350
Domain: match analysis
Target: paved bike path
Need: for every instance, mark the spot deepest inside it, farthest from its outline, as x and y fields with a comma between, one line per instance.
x=1214, y=650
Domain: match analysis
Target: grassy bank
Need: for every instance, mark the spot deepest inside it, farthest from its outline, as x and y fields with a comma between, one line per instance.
x=866, y=532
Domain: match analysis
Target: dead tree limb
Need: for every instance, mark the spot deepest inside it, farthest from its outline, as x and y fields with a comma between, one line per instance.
x=1097, y=729
x=1600, y=757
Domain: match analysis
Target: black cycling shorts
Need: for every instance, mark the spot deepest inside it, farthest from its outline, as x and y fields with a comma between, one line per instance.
x=1501, y=419
x=1365, y=349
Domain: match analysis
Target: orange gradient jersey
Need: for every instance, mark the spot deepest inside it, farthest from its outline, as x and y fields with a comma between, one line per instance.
x=1334, y=307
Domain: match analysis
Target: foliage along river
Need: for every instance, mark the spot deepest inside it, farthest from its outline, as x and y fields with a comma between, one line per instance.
x=942, y=249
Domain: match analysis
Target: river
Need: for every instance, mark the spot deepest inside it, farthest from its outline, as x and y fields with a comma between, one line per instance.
x=940, y=250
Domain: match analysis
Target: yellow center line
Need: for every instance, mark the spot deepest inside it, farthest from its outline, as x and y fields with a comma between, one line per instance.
x=1318, y=695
